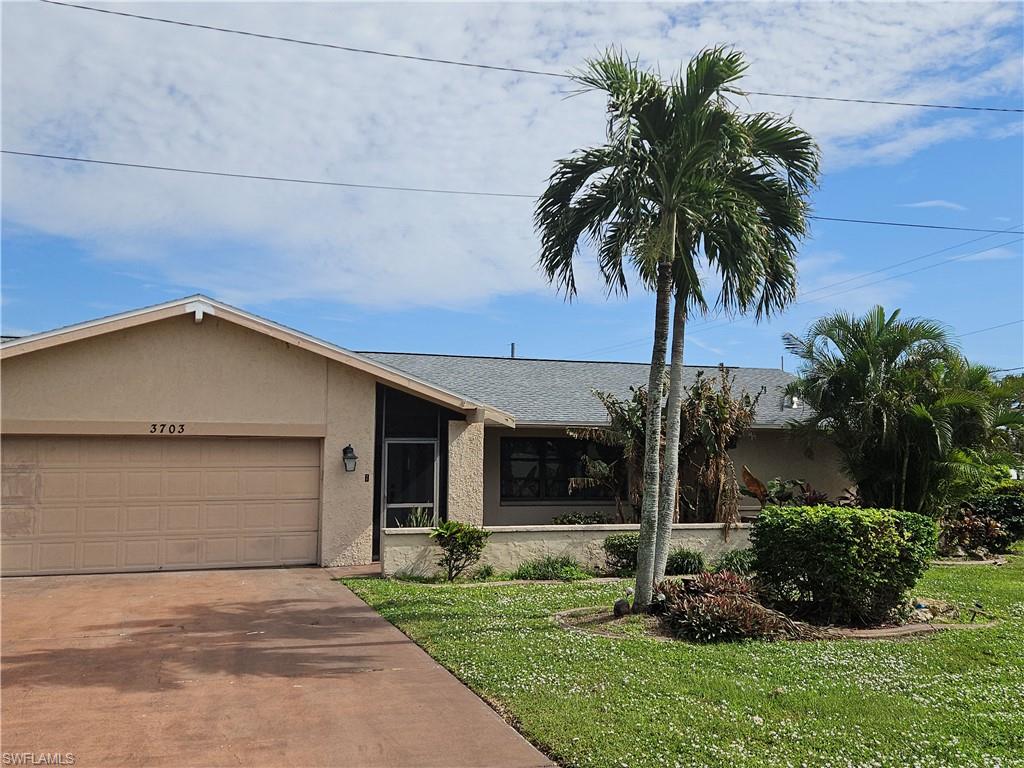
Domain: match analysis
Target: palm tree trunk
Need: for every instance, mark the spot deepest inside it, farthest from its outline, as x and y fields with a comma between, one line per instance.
x=903, y=476
x=652, y=444
x=670, y=470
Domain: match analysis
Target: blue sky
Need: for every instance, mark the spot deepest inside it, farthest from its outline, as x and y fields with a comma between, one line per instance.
x=392, y=271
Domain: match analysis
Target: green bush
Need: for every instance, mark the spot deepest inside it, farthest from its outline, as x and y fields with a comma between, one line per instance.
x=1005, y=505
x=838, y=564
x=483, y=573
x=620, y=552
x=580, y=518
x=551, y=568
x=461, y=546
x=683, y=562
x=739, y=561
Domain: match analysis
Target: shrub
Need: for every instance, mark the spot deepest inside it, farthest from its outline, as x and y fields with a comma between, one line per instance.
x=1005, y=505
x=551, y=568
x=620, y=552
x=738, y=561
x=682, y=562
x=966, y=529
x=717, y=607
x=580, y=518
x=839, y=564
x=461, y=546
x=483, y=573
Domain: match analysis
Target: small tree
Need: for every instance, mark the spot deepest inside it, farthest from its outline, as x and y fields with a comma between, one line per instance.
x=461, y=546
x=712, y=421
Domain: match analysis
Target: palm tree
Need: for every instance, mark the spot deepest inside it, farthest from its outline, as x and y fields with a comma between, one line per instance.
x=904, y=408
x=682, y=173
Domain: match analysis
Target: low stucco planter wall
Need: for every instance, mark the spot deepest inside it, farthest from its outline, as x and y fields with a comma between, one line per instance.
x=410, y=550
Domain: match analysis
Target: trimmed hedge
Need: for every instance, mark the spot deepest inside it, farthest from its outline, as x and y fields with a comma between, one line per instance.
x=684, y=562
x=840, y=565
x=620, y=552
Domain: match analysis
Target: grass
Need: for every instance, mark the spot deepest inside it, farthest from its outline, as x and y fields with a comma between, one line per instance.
x=950, y=699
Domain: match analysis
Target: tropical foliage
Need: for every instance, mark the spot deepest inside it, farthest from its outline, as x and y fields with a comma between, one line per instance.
x=684, y=178
x=712, y=421
x=840, y=565
x=916, y=424
x=625, y=432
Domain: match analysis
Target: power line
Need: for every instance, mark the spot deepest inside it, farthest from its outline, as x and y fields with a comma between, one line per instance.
x=493, y=67
x=712, y=324
x=992, y=328
x=394, y=188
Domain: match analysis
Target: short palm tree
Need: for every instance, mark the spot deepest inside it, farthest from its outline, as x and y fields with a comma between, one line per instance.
x=897, y=399
x=683, y=176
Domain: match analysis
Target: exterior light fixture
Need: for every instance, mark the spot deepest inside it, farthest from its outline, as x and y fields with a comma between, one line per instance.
x=348, y=456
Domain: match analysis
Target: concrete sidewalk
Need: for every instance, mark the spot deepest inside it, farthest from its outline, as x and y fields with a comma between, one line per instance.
x=274, y=667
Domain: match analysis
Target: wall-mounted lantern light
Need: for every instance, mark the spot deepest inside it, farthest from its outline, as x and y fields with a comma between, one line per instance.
x=348, y=456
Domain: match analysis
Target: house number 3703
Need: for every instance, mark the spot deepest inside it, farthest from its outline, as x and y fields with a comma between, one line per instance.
x=166, y=429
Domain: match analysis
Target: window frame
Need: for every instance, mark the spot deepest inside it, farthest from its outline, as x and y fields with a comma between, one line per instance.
x=542, y=499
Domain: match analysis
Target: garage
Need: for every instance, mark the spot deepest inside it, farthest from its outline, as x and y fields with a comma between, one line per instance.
x=193, y=434
x=110, y=504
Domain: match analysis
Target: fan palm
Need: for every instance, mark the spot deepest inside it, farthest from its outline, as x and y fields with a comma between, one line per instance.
x=682, y=175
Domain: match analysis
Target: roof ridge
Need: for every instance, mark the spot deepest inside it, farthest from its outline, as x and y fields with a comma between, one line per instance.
x=550, y=359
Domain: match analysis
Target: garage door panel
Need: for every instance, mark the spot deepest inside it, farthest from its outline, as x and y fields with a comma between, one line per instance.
x=259, y=550
x=182, y=518
x=17, y=522
x=17, y=558
x=111, y=504
x=220, y=551
x=101, y=486
x=185, y=483
x=57, y=556
x=101, y=520
x=297, y=548
x=100, y=555
x=57, y=521
x=222, y=516
x=59, y=486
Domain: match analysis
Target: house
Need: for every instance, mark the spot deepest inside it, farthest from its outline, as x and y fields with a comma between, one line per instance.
x=192, y=434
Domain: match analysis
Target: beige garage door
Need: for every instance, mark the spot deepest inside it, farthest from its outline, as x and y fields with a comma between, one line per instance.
x=104, y=504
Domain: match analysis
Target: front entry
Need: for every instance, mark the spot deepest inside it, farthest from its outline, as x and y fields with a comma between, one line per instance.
x=410, y=487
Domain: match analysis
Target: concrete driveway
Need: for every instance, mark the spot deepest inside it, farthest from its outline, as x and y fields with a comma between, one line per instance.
x=277, y=667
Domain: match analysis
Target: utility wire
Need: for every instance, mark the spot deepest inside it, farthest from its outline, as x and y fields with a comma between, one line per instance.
x=428, y=190
x=992, y=328
x=493, y=67
x=712, y=324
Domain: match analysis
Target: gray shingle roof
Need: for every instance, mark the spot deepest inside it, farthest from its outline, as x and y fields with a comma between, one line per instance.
x=559, y=391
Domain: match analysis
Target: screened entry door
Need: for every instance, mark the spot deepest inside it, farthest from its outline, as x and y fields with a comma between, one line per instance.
x=410, y=483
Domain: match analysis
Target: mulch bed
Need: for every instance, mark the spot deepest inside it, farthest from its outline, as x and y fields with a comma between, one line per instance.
x=597, y=620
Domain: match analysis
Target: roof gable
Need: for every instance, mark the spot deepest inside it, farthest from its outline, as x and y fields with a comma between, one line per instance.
x=200, y=306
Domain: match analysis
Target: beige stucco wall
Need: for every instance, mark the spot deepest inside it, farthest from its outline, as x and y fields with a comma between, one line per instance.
x=410, y=550
x=466, y=472
x=768, y=453
x=216, y=378
x=519, y=513
x=775, y=453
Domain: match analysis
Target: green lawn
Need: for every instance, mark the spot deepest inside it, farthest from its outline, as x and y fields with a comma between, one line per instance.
x=952, y=699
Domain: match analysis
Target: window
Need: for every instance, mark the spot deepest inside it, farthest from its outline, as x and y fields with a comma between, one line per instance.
x=539, y=468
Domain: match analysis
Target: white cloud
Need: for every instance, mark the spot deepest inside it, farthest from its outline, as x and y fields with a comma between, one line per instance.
x=824, y=280
x=935, y=204
x=83, y=83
